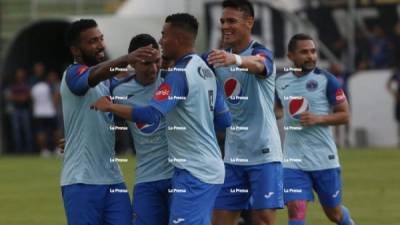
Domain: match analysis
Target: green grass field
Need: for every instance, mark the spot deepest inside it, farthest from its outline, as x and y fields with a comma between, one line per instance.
x=30, y=192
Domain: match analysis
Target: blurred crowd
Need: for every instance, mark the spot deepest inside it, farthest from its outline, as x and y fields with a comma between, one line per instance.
x=33, y=107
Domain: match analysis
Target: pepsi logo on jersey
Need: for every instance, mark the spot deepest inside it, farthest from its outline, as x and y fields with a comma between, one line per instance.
x=297, y=106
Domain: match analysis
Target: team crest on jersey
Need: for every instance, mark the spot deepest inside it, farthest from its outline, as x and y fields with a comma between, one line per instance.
x=163, y=92
x=311, y=85
x=297, y=105
x=233, y=90
x=147, y=128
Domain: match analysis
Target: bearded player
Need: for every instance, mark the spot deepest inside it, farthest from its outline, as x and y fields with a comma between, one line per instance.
x=91, y=181
x=311, y=100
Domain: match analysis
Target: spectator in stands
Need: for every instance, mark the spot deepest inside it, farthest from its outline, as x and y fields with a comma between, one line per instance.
x=45, y=115
x=362, y=51
x=393, y=86
x=380, y=48
x=17, y=96
x=396, y=44
x=38, y=72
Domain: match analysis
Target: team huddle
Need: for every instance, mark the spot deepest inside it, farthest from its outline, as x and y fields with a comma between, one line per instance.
x=177, y=103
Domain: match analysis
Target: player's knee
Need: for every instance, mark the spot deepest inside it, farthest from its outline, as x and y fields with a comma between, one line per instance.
x=334, y=214
x=264, y=217
x=297, y=210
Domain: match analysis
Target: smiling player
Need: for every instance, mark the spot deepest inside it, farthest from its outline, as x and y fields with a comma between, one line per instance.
x=311, y=100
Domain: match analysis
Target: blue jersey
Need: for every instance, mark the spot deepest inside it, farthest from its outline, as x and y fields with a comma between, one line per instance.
x=149, y=139
x=89, y=148
x=253, y=137
x=308, y=148
x=190, y=100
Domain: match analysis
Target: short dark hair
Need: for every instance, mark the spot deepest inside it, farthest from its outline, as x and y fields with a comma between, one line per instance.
x=142, y=40
x=76, y=28
x=298, y=37
x=185, y=21
x=241, y=5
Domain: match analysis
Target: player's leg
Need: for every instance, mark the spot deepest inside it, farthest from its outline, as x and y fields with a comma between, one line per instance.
x=266, y=190
x=233, y=197
x=151, y=203
x=297, y=192
x=117, y=209
x=328, y=185
x=192, y=200
x=84, y=203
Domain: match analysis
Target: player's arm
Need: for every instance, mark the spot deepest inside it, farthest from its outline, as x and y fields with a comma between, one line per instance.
x=80, y=78
x=340, y=107
x=278, y=108
x=222, y=115
x=340, y=115
x=259, y=63
x=102, y=71
x=174, y=85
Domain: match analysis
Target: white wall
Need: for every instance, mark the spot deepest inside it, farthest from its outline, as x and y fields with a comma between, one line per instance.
x=373, y=108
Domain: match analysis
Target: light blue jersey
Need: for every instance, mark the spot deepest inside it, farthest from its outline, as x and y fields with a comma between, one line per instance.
x=190, y=130
x=149, y=139
x=253, y=137
x=89, y=148
x=308, y=148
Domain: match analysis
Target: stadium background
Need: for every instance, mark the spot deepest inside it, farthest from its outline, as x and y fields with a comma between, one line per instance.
x=349, y=32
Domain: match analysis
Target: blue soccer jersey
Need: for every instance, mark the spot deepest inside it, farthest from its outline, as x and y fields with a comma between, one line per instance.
x=89, y=147
x=149, y=139
x=253, y=137
x=190, y=100
x=308, y=148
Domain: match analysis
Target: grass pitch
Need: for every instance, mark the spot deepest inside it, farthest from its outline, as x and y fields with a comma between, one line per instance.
x=30, y=192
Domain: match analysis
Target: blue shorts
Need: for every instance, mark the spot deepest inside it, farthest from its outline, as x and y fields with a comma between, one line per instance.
x=97, y=204
x=151, y=202
x=299, y=185
x=192, y=200
x=251, y=187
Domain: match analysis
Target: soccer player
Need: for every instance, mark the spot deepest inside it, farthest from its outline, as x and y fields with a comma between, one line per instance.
x=153, y=171
x=191, y=103
x=311, y=100
x=91, y=182
x=253, y=154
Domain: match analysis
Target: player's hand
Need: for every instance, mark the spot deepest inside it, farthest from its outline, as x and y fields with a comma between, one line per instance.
x=309, y=119
x=103, y=104
x=144, y=54
x=61, y=145
x=219, y=58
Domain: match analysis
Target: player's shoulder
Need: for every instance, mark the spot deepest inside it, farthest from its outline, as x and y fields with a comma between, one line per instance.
x=282, y=76
x=257, y=48
x=329, y=76
x=185, y=61
x=76, y=69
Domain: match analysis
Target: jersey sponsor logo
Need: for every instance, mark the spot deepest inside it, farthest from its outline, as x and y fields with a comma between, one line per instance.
x=297, y=106
x=311, y=85
x=340, y=96
x=163, y=92
x=147, y=128
x=233, y=90
x=82, y=69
